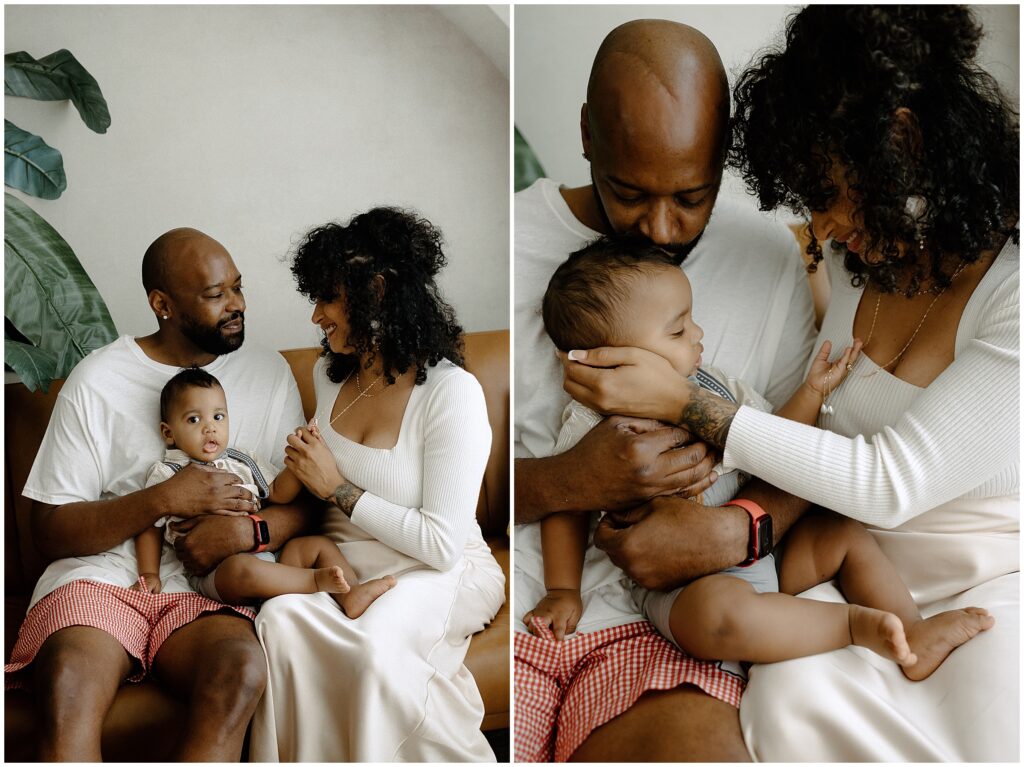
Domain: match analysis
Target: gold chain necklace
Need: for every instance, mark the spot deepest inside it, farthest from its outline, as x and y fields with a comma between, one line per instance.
x=917, y=330
x=362, y=393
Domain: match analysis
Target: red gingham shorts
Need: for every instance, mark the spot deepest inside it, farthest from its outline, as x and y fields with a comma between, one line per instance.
x=566, y=690
x=140, y=621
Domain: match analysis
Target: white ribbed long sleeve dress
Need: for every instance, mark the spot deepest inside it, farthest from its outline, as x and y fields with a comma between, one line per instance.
x=391, y=685
x=934, y=473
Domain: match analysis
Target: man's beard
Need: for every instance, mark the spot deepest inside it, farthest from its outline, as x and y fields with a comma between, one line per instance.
x=678, y=252
x=210, y=339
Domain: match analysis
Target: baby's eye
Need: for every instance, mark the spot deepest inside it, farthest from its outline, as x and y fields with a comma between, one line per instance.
x=193, y=419
x=218, y=417
x=679, y=333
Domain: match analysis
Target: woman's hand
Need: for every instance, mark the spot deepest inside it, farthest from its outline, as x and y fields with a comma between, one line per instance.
x=312, y=462
x=627, y=381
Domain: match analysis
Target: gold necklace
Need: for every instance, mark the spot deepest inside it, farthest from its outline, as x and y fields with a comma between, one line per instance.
x=917, y=330
x=362, y=393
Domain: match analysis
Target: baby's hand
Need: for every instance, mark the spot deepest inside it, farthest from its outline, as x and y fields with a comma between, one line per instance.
x=148, y=582
x=560, y=610
x=824, y=376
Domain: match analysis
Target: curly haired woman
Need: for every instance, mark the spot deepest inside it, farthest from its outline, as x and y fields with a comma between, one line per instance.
x=398, y=450
x=878, y=124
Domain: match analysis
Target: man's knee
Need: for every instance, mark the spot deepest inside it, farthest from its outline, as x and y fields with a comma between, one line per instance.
x=80, y=652
x=234, y=671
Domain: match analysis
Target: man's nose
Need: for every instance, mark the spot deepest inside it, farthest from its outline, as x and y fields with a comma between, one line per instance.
x=236, y=302
x=659, y=225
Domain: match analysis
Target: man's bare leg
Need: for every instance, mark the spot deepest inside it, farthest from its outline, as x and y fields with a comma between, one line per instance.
x=75, y=676
x=680, y=725
x=216, y=664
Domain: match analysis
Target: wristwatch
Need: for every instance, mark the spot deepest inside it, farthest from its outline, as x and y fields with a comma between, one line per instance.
x=762, y=537
x=260, y=534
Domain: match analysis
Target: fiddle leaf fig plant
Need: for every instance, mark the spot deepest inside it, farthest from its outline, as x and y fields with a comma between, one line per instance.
x=53, y=313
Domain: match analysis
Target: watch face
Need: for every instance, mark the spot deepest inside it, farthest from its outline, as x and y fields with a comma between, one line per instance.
x=264, y=531
x=765, y=536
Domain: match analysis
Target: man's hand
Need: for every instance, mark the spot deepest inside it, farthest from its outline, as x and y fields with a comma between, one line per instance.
x=197, y=490
x=559, y=610
x=670, y=541
x=207, y=540
x=627, y=380
x=623, y=461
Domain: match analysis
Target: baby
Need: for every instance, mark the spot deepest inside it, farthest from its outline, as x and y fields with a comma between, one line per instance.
x=625, y=292
x=194, y=424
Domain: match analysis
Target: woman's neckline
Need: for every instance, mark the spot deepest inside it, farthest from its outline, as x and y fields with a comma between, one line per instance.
x=336, y=389
x=968, y=309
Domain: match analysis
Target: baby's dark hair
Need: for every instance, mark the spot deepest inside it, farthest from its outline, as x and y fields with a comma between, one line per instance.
x=184, y=379
x=585, y=301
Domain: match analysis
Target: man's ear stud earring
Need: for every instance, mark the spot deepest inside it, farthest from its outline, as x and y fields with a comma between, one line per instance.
x=166, y=317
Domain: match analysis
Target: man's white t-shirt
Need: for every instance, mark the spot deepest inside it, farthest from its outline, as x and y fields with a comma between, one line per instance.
x=104, y=435
x=750, y=295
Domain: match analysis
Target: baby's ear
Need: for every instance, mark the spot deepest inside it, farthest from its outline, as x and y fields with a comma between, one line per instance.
x=167, y=434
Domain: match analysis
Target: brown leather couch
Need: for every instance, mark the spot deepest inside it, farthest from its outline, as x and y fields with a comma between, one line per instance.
x=144, y=721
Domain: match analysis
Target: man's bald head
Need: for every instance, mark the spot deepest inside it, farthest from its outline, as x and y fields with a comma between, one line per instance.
x=170, y=252
x=655, y=129
x=653, y=60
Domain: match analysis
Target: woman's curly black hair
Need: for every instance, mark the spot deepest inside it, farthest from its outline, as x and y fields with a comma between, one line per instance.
x=406, y=322
x=832, y=95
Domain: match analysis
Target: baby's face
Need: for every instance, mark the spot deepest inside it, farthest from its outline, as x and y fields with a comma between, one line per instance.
x=198, y=423
x=661, y=319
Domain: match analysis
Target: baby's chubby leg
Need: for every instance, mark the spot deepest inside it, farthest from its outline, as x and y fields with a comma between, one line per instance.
x=824, y=545
x=720, y=617
x=321, y=554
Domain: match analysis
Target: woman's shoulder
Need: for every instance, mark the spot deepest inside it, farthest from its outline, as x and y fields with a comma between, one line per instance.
x=447, y=375
x=451, y=384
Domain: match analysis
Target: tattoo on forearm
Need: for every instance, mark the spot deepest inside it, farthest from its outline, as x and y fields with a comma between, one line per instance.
x=709, y=416
x=345, y=496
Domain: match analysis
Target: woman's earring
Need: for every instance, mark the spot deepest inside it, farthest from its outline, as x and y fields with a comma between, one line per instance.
x=915, y=208
x=166, y=317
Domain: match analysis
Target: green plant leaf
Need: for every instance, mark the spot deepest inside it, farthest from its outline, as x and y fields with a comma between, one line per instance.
x=54, y=78
x=48, y=296
x=527, y=166
x=31, y=165
x=35, y=367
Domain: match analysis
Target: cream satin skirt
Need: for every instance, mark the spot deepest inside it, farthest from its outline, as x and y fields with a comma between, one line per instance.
x=853, y=706
x=389, y=686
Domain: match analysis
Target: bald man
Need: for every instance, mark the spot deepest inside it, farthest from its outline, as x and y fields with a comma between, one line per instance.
x=86, y=632
x=654, y=128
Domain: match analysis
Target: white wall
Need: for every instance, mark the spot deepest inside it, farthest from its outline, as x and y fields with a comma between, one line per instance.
x=256, y=123
x=555, y=47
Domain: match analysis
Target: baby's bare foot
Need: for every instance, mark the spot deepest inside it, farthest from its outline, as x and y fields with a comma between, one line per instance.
x=881, y=632
x=362, y=595
x=331, y=579
x=935, y=638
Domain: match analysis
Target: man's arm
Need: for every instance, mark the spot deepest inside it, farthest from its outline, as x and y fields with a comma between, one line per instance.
x=210, y=539
x=617, y=464
x=90, y=527
x=671, y=541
